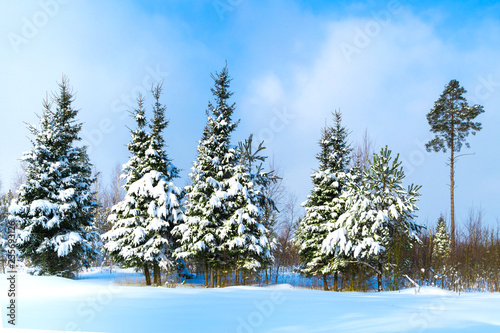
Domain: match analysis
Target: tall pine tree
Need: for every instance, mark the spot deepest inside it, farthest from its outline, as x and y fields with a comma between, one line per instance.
x=54, y=208
x=324, y=205
x=452, y=119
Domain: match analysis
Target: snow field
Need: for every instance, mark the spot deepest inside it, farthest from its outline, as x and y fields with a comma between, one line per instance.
x=97, y=304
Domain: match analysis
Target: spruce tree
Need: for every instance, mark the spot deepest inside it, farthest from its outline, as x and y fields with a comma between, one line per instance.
x=452, y=119
x=271, y=192
x=127, y=231
x=162, y=196
x=244, y=234
x=54, y=208
x=208, y=205
x=324, y=205
x=141, y=235
x=441, y=246
x=5, y=199
x=380, y=215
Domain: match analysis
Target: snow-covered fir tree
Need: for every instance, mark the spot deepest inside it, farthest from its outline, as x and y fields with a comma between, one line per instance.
x=269, y=187
x=380, y=214
x=324, y=205
x=441, y=245
x=244, y=235
x=222, y=226
x=5, y=199
x=143, y=221
x=54, y=208
x=163, y=197
x=207, y=205
x=123, y=239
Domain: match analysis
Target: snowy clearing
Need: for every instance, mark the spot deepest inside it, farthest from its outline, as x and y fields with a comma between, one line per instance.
x=95, y=303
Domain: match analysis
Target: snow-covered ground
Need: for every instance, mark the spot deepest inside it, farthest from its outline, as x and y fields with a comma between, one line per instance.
x=95, y=303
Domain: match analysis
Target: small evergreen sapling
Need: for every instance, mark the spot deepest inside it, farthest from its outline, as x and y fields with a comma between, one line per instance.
x=441, y=246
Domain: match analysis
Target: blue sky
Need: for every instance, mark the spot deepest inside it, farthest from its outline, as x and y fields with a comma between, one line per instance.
x=382, y=63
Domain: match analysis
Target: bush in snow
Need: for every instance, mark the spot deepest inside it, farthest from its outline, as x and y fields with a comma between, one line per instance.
x=54, y=208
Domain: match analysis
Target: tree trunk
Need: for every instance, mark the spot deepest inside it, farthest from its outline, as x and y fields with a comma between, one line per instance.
x=157, y=274
x=336, y=281
x=3, y=262
x=219, y=278
x=379, y=277
x=206, y=275
x=452, y=197
x=325, y=282
x=146, y=275
x=237, y=277
x=212, y=280
x=159, y=277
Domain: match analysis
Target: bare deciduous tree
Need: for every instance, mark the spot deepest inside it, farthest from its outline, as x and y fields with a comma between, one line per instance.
x=286, y=253
x=363, y=151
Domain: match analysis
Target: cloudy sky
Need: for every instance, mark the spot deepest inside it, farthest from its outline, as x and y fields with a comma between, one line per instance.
x=382, y=63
